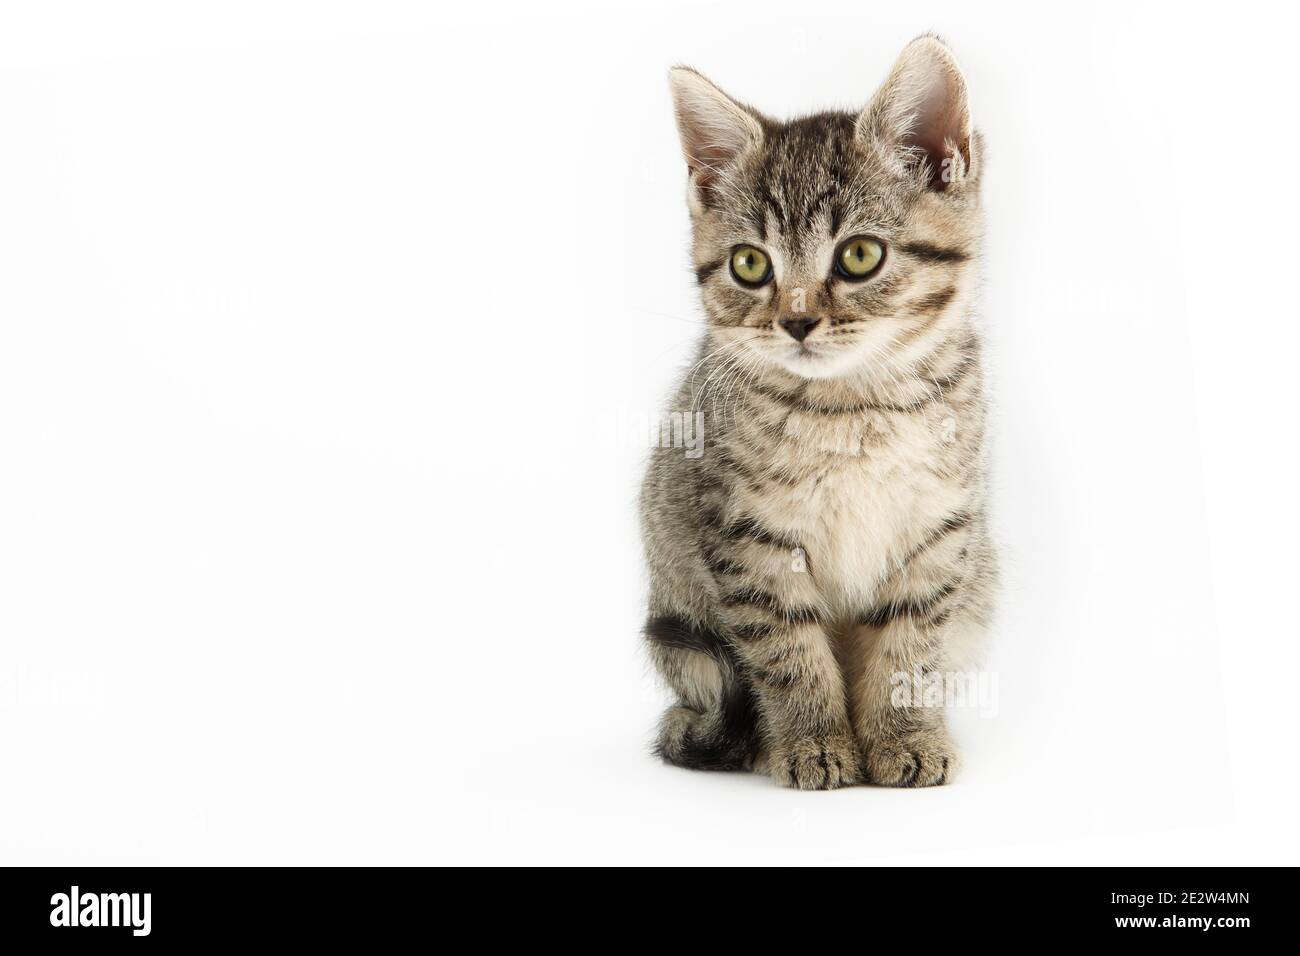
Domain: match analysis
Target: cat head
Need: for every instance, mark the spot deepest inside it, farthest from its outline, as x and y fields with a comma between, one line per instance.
x=839, y=243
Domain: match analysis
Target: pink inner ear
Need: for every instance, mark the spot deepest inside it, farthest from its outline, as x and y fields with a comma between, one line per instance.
x=942, y=158
x=941, y=134
x=706, y=163
x=708, y=149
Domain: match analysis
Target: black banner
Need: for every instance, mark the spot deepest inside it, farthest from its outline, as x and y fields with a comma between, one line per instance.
x=208, y=905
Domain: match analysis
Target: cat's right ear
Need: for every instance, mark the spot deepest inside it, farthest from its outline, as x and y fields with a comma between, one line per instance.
x=714, y=128
x=921, y=116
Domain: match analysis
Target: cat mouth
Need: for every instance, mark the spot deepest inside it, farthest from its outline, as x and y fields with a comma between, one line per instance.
x=806, y=353
x=817, y=360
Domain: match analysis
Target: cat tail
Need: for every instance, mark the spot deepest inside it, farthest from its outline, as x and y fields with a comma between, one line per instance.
x=717, y=731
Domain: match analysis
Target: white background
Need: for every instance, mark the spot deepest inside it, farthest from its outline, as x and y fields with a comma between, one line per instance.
x=324, y=331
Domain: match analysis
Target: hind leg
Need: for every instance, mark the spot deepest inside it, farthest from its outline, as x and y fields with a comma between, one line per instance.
x=694, y=676
x=713, y=725
x=696, y=680
x=683, y=739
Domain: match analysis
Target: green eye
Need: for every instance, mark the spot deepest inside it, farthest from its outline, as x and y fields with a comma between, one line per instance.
x=750, y=266
x=858, y=258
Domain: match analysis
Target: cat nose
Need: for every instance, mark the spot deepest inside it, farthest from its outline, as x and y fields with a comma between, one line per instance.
x=799, y=328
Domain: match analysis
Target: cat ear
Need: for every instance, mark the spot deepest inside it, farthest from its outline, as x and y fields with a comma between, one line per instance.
x=714, y=128
x=921, y=116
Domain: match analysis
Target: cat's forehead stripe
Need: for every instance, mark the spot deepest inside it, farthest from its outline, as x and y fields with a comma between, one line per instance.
x=799, y=179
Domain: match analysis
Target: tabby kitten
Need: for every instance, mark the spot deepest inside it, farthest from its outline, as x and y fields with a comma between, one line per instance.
x=833, y=533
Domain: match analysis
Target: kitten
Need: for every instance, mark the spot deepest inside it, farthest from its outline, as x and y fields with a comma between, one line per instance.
x=833, y=533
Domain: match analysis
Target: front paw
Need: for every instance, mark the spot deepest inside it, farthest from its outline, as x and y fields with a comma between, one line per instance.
x=918, y=759
x=816, y=763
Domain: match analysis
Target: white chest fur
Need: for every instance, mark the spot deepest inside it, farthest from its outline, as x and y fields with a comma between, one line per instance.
x=874, y=487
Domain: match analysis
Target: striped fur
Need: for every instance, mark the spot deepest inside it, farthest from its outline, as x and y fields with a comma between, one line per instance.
x=834, y=531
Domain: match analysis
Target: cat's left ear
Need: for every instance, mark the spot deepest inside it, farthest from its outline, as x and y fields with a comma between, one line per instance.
x=715, y=129
x=921, y=117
